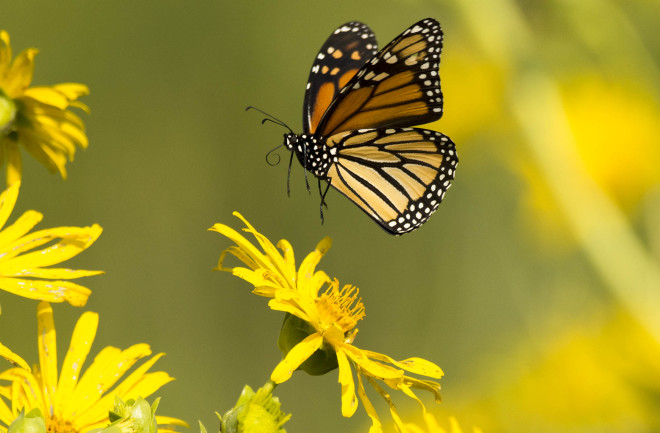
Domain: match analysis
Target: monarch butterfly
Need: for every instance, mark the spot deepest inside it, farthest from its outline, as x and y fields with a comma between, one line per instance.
x=358, y=109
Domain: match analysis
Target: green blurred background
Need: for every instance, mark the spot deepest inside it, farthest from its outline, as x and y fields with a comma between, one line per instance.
x=534, y=286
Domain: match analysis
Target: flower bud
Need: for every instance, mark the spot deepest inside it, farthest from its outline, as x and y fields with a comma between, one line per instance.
x=132, y=416
x=255, y=413
x=293, y=331
x=33, y=422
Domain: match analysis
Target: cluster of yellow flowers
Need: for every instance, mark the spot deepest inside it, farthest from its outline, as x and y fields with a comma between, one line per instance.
x=317, y=336
x=39, y=120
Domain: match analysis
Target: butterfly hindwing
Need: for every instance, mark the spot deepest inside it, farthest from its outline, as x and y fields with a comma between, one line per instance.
x=398, y=176
x=346, y=51
x=399, y=87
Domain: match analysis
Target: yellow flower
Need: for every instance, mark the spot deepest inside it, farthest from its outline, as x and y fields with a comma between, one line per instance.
x=432, y=426
x=36, y=117
x=330, y=316
x=23, y=268
x=73, y=402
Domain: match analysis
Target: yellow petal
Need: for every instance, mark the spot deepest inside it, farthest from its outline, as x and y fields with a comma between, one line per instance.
x=47, y=351
x=47, y=290
x=414, y=365
x=287, y=252
x=277, y=261
x=242, y=243
x=395, y=415
x=105, y=371
x=166, y=420
x=49, y=96
x=373, y=369
x=42, y=151
x=307, y=267
x=25, y=390
x=49, y=137
x=10, y=356
x=53, y=273
x=79, y=347
x=147, y=385
x=6, y=414
x=288, y=307
x=11, y=234
x=348, y=398
x=19, y=75
x=73, y=241
x=295, y=357
x=98, y=412
x=5, y=55
x=72, y=91
x=455, y=427
x=14, y=162
x=376, y=426
x=7, y=201
x=240, y=255
x=425, y=385
x=134, y=377
x=50, y=126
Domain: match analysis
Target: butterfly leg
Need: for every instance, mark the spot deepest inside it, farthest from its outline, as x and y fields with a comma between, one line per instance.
x=323, y=199
x=322, y=194
x=309, y=190
x=288, y=177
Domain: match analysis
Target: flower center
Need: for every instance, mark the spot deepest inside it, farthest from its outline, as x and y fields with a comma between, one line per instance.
x=54, y=425
x=341, y=308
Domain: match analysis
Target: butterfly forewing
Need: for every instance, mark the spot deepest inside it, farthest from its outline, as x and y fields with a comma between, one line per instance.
x=399, y=87
x=398, y=176
x=341, y=57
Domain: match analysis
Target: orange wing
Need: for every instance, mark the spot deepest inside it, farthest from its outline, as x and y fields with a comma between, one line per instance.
x=399, y=87
x=347, y=49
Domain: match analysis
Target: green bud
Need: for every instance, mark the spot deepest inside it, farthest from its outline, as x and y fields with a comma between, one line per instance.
x=132, y=416
x=294, y=330
x=7, y=113
x=255, y=412
x=33, y=422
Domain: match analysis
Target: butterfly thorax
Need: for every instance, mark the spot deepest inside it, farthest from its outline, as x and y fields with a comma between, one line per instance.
x=312, y=152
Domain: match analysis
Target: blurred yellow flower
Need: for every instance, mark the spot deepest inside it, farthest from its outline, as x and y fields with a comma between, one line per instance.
x=329, y=320
x=598, y=374
x=616, y=127
x=37, y=118
x=474, y=95
x=71, y=402
x=24, y=272
x=432, y=426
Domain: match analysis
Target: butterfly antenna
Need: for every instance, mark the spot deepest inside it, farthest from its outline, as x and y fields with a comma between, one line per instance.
x=273, y=163
x=270, y=118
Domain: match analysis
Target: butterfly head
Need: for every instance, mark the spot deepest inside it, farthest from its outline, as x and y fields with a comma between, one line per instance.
x=290, y=141
x=296, y=144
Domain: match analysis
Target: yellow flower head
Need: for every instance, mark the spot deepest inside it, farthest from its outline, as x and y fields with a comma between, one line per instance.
x=36, y=117
x=23, y=267
x=331, y=317
x=73, y=402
